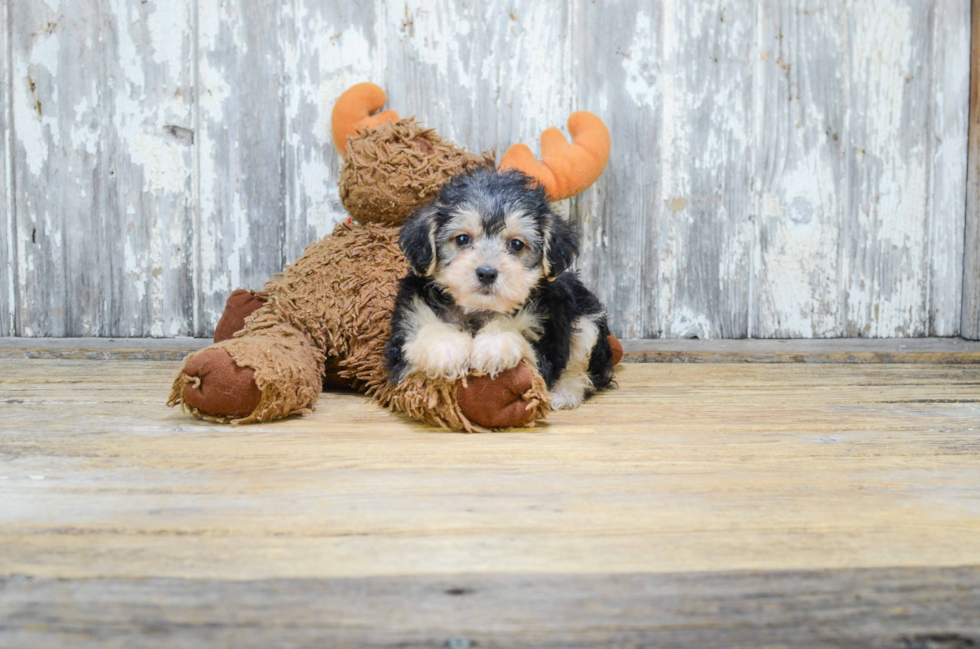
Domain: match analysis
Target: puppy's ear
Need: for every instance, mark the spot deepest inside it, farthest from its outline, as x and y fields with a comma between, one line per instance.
x=560, y=246
x=417, y=240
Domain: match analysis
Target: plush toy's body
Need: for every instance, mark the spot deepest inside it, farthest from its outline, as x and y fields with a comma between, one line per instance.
x=325, y=321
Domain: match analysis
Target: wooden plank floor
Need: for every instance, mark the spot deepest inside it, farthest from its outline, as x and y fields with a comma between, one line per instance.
x=697, y=504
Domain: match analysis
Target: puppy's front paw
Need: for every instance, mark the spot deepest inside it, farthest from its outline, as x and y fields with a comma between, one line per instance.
x=566, y=398
x=441, y=353
x=494, y=353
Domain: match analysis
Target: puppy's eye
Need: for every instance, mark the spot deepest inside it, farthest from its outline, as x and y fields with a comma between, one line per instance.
x=462, y=240
x=515, y=245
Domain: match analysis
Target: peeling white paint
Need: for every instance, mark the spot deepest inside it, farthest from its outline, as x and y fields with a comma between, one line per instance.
x=85, y=130
x=890, y=177
x=543, y=102
x=135, y=268
x=799, y=216
x=641, y=63
x=130, y=61
x=167, y=29
x=320, y=70
x=34, y=127
x=213, y=97
x=688, y=324
x=45, y=50
x=948, y=137
x=436, y=36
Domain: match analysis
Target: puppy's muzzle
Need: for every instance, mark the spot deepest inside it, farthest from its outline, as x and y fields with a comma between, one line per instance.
x=486, y=275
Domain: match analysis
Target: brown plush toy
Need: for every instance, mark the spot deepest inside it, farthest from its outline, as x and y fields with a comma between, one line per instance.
x=325, y=321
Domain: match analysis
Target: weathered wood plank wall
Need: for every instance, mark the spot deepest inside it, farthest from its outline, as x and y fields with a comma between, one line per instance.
x=971, y=259
x=781, y=168
x=7, y=281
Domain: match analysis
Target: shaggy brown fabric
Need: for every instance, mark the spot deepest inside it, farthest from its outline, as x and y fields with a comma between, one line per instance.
x=240, y=305
x=441, y=403
x=340, y=293
x=396, y=167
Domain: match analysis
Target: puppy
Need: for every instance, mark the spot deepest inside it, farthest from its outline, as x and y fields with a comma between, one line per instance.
x=489, y=288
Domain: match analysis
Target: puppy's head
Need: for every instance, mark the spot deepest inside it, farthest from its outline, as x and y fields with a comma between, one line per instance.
x=488, y=239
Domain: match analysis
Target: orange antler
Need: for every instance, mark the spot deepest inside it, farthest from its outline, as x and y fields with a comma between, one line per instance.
x=565, y=169
x=352, y=112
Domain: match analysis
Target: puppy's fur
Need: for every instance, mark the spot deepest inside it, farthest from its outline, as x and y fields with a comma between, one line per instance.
x=489, y=288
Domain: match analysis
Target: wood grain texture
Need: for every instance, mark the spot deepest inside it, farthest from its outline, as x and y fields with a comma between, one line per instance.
x=150, y=349
x=147, y=214
x=242, y=124
x=102, y=106
x=59, y=138
x=970, y=325
x=618, y=215
x=947, y=157
x=705, y=228
x=781, y=168
x=800, y=170
x=695, y=503
x=485, y=75
x=886, y=260
x=889, y=608
x=327, y=47
x=685, y=467
x=8, y=293
x=949, y=351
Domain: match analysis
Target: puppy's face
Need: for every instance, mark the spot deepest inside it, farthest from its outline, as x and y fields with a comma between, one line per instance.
x=489, y=260
x=488, y=239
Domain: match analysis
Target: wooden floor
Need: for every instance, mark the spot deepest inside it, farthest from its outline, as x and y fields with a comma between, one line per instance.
x=701, y=504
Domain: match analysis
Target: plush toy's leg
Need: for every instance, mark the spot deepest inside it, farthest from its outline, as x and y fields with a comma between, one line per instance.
x=516, y=397
x=271, y=372
x=240, y=305
x=503, y=402
x=211, y=383
x=617, y=349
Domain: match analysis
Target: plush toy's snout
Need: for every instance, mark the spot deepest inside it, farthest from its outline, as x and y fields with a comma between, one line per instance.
x=391, y=166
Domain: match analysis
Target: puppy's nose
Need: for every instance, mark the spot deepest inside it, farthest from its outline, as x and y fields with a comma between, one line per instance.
x=487, y=275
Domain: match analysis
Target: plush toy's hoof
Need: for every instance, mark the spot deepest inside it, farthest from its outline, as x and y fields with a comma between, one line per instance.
x=240, y=305
x=219, y=387
x=617, y=349
x=498, y=402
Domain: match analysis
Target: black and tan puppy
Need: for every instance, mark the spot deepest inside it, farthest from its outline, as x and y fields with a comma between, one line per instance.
x=489, y=288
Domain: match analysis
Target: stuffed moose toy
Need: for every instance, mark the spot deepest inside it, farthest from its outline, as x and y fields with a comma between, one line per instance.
x=326, y=319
